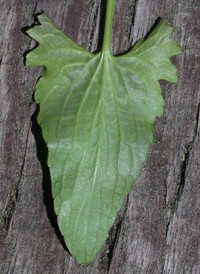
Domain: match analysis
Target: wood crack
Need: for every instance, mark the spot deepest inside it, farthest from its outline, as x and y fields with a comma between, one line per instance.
x=7, y=214
x=99, y=13
x=197, y=122
x=130, y=37
x=181, y=184
x=184, y=165
x=115, y=234
x=113, y=244
x=35, y=8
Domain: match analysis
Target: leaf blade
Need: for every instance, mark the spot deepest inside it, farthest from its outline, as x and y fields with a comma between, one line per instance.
x=96, y=113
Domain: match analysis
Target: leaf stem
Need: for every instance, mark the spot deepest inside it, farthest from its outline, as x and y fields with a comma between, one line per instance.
x=107, y=38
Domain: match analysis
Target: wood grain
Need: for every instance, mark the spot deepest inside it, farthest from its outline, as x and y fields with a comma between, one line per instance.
x=158, y=228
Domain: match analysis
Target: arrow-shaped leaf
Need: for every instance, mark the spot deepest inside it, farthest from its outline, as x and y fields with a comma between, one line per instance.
x=96, y=114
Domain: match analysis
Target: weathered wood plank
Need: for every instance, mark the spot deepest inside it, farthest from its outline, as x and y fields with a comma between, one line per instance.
x=157, y=230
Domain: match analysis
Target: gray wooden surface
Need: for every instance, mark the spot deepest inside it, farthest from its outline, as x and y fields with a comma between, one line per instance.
x=158, y=229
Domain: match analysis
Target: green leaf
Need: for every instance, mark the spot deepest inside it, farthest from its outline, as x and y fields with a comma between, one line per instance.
x=97, y=113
